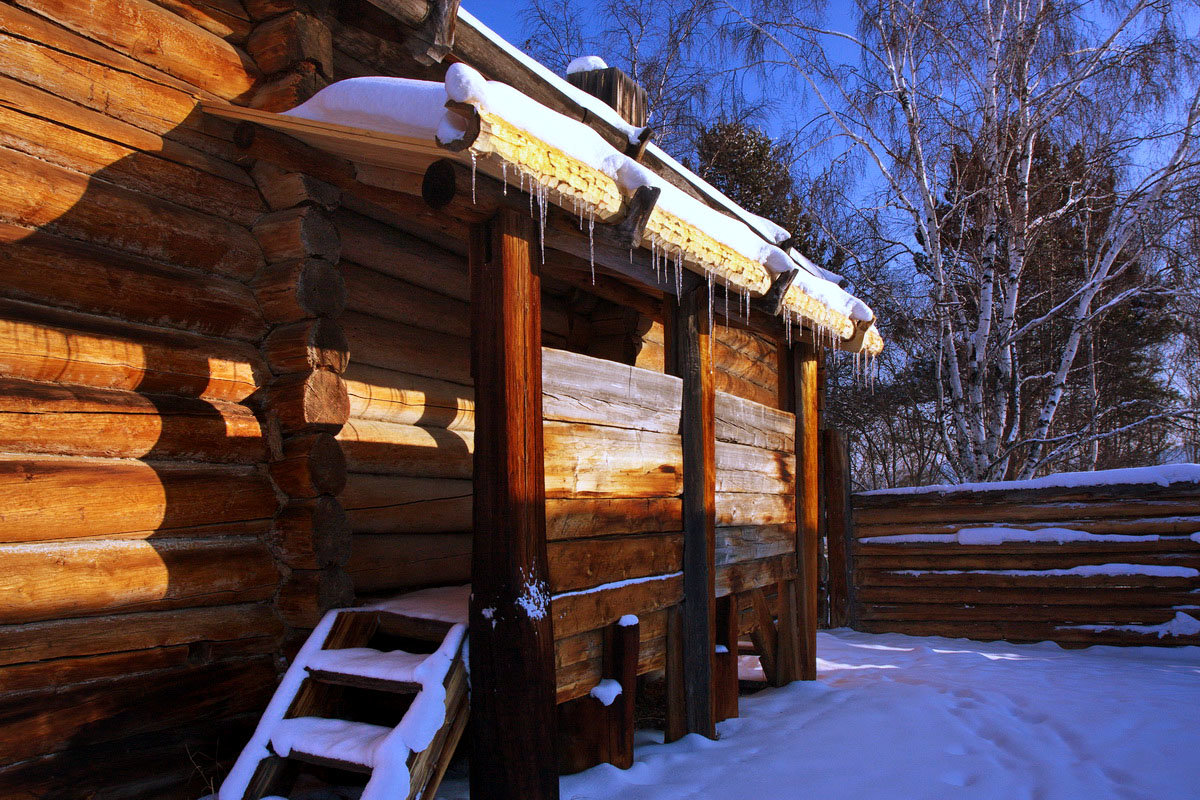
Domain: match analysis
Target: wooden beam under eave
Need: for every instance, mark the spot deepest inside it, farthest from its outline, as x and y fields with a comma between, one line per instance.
x=513, y=743
x=689, y=329
x=806, y=396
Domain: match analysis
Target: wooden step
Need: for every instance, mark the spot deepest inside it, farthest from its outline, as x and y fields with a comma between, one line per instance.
x=367, y=668
x=329, y=742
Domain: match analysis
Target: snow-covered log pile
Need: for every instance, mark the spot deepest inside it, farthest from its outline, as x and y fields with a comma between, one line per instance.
x=562, y=161
x=1097, y=558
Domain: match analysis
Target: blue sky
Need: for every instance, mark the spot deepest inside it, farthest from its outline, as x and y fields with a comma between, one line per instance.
x=502, y=16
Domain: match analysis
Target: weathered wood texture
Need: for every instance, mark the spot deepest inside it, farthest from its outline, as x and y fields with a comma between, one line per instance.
x=513, y=743
x=137, y=634
x=912, y=575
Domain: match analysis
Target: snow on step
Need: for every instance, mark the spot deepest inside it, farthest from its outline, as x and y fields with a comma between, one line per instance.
x=351, y=742
x=366, y=662
x=442, y=603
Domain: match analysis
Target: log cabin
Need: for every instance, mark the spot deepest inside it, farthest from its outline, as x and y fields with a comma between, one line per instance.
x=257, y=364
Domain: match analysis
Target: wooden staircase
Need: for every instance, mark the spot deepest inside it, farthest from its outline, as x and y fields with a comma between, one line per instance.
x=350, y=667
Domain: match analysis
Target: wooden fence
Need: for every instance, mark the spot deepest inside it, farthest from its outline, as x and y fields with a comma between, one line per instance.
x=934, y=563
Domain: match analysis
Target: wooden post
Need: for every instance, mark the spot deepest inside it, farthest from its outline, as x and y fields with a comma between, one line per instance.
x=725, y=664
x=805, y=394
x=837, y=524
x=689, y=330
x=622, y=646
x=511, y=637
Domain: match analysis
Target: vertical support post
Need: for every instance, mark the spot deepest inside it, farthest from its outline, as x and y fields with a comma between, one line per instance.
x=837, y=524
x=689, y=330
x=622, y=646
x=512, y=650
x=725, y=664
x=807, y=398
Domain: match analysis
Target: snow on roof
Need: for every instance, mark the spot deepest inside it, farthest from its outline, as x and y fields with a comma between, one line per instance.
x=586, y=64
x=1163, y=475
x=764, y=227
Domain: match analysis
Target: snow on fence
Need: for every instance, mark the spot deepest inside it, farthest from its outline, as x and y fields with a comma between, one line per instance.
x=1107, y=559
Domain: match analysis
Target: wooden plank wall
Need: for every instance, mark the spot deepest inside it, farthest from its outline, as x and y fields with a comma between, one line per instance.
x=958, y=589
x=136, y=624
x=613, y=489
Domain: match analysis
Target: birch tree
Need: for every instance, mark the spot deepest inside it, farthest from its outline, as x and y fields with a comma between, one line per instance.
x=932, y=83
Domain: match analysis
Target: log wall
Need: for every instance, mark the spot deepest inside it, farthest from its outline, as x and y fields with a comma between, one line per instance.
x=911, y=574
x=138, y=630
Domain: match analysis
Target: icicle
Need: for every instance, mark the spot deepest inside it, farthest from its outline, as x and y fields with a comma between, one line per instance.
x=543, y=199
x=504, y=175
x=592, y=244
x=474, y=168
x=708, y=276
x=726, y=304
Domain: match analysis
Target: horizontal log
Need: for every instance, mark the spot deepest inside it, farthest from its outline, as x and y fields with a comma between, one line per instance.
x=1165, y=526
x=750, y=346
x=48, y=580
x=986, y=579
x=64, y=672
x=298, y=233
x=286, y=90
x=106, y=122
x=290, y=291
x=586, y=563
x=740, y=508
x=43, y=344
x=407, y=399
x=49, y=129
x=570, y=518
x=388, y=448
x=306, y=594
x=314, y=402
x=1020, y=632
x=739, y=364
x=111, y=710
x=597, y=461
x=1163, y=544
x=389, y=504
x=746, y=422
x=1049, y=495
x=390, y=562
x=1039, y=560
x=150, y=766
x=1060, y=614
x=740, y=387
x=578, y=679
x=307, y=345
x=745, y=575
x=1019, y=515
x=578, y=388
x=65, y=64
x=391, y=345
x=38, y=194
x=592, y=609
x=590, y=644
x=741, y=468
x=311, y=534
x=393, y=252
x=226, y=19
x=386, y=297
x=959, y=595
x=49, y=269
x=310, y=465
x=45, y=418
x=70, y=638
x=752, y=542
x=45, y=498
x=157, y=37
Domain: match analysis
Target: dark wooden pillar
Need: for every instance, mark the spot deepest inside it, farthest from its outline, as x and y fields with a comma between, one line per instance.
x=689, y=329
x=837, y=524
x=511, y=638
x=805, y=395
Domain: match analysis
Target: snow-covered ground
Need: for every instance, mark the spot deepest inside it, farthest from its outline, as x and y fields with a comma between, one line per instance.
x=901, y=717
